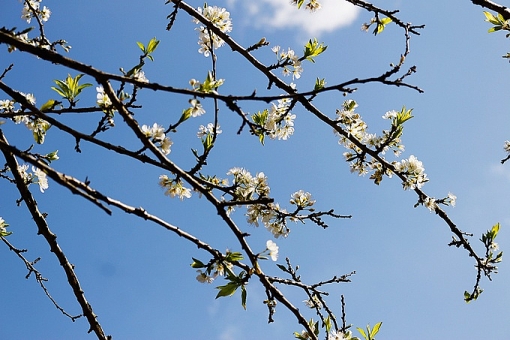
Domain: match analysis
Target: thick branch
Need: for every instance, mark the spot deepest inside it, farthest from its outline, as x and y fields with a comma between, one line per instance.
x=51, y=238
x=503, y=10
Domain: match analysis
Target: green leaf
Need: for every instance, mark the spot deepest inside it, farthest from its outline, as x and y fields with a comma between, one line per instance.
x=299, y=336
x=282, y=267
x=208, y=142
x=386, y=21
x=141, y=46
x=403, y=116
x=362, y=332
x=197, y=263
x=243, y=296
x=327, y=324
x=234, y=256
x=49, y=105
x=52, y=156
x=261, y=138
x=313, y=49
x=153, y=43
x=62, y=88
x=495, y=230
x=381, y=25
x=227, y=290
x=490, y=18
x=319, y=84
x=69, y=88
x=375, y=330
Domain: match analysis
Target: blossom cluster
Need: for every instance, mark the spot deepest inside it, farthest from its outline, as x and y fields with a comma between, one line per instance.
x=219, y=268
x=32, y=9
x=3, y=226
x=302, y=199
x=432, y=203
x=273, y=217
x=156, y=133
x=208, y=130
x=290, y=62
x=37, y=176
x=208, y=86
x=174, y=187
x=352, y=123
x=277, y=122
x=246, y=186
x=220, y=18
x=339, y=335
x=38, y=126
x=414, y=171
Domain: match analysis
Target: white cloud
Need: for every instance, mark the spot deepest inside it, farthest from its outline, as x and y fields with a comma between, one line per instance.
x=280, y=14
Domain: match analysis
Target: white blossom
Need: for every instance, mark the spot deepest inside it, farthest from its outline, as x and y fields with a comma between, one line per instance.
x=140, y=76
x=208, y=130
x=196, y=107
x=203, y=277
x=42, y=180
x=174, y=188
x=430, y=203
x=220, y=18
x=302, y=199
x=339, y=335
x=102, y=99
x=273, y=250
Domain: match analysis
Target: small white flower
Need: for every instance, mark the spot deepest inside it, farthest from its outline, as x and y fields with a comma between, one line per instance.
x=6, y=105
x=313, y=6
x=313, y=302
x=30, y=98
x=102, y=99
x=196, y=108
x=165, y=145
x=302, y=199
x=22, y=169
x=452, y=199
x=140, y=76
x=45, y=13
x=390, y=114
x=430, y=203
x=174, y=188
x=206, y=130
x=507, y=146
x=273, y=250
x=203, y=278
x=339, y=335
x=42, y=180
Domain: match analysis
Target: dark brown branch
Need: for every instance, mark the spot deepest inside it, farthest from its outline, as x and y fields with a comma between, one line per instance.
x=51, y=238
x=503, y=10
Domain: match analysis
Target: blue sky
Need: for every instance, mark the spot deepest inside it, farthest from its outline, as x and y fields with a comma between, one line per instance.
x=137, y=276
